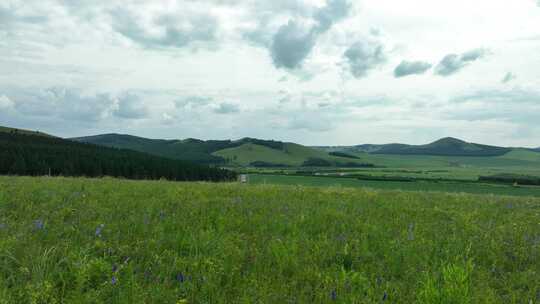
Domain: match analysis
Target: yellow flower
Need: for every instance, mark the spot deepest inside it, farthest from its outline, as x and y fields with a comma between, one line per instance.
x=182, y=301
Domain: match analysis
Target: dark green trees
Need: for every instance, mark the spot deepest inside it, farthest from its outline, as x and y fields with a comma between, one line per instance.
x=22, y=154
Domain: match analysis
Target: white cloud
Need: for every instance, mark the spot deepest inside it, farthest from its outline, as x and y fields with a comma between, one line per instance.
x=71, y=62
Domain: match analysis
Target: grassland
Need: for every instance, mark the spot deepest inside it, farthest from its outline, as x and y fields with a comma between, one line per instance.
x=452, y=187
x=116, y=241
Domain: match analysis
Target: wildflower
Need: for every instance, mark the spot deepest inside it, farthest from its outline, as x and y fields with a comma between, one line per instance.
x=114, y=280
x=385, y=296
x=333, y=295
x=39, y=224
x=99, y=229
x=180, y=278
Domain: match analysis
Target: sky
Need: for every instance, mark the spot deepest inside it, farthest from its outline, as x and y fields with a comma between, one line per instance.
x=315, y=72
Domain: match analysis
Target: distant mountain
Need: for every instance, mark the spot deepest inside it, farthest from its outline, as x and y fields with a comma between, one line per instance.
x=34, y=155
x=443, y=147
x=243, y=152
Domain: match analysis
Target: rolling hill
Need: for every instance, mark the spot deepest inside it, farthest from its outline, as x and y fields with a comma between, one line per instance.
x=243, y=152
x=443, y=147
x=35, y=155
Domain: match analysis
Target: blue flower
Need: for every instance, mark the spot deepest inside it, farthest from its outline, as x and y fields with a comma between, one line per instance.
x=39, y=224
x=385, y=296
x=114, y=280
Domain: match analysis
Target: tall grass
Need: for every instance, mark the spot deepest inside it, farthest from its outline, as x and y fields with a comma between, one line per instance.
x=114, y=241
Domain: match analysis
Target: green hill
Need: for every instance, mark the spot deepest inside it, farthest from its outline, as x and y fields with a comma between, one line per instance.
x=190, y=149
x=34, y=155
x=23, y=132
x=291, y=155
x=445, y=147
x=195, y=150
x=243, y=152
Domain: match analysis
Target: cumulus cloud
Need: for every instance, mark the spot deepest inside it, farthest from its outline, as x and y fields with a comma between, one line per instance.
x=130, y=106
x=406, y=68
x=294, y=41
x=166, y=30
x=508, y=77
x=292, y=44
x=333, y=12
x=227, y=108
x=453, y=63
x=364, y=56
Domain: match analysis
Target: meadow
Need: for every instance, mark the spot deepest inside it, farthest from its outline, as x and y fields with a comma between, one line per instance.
x=76, y=240
x=465, y=186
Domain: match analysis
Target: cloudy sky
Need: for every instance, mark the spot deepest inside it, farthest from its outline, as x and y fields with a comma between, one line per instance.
x=310, y=71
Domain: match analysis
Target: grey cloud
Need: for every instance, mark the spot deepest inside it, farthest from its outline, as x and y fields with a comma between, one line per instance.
x=406, y=68
x=227, y=108
x=364, y=56
x=333, y=12
x=168, y=30
x=453, y=63
x=130, y=106
x=292, y=44
x=294, y=41
x=508, y=77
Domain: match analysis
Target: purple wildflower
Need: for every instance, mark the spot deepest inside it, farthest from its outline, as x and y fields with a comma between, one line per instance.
x=99, y=229
x=114, y=280
x=333, y=295
x=39, y=224
x=180, y=277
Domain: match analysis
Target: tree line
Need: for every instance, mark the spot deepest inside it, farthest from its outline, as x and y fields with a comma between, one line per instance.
x=34, y=155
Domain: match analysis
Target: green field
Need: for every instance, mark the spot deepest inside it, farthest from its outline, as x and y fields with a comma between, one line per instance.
x=67, y=240
x=456, y=187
